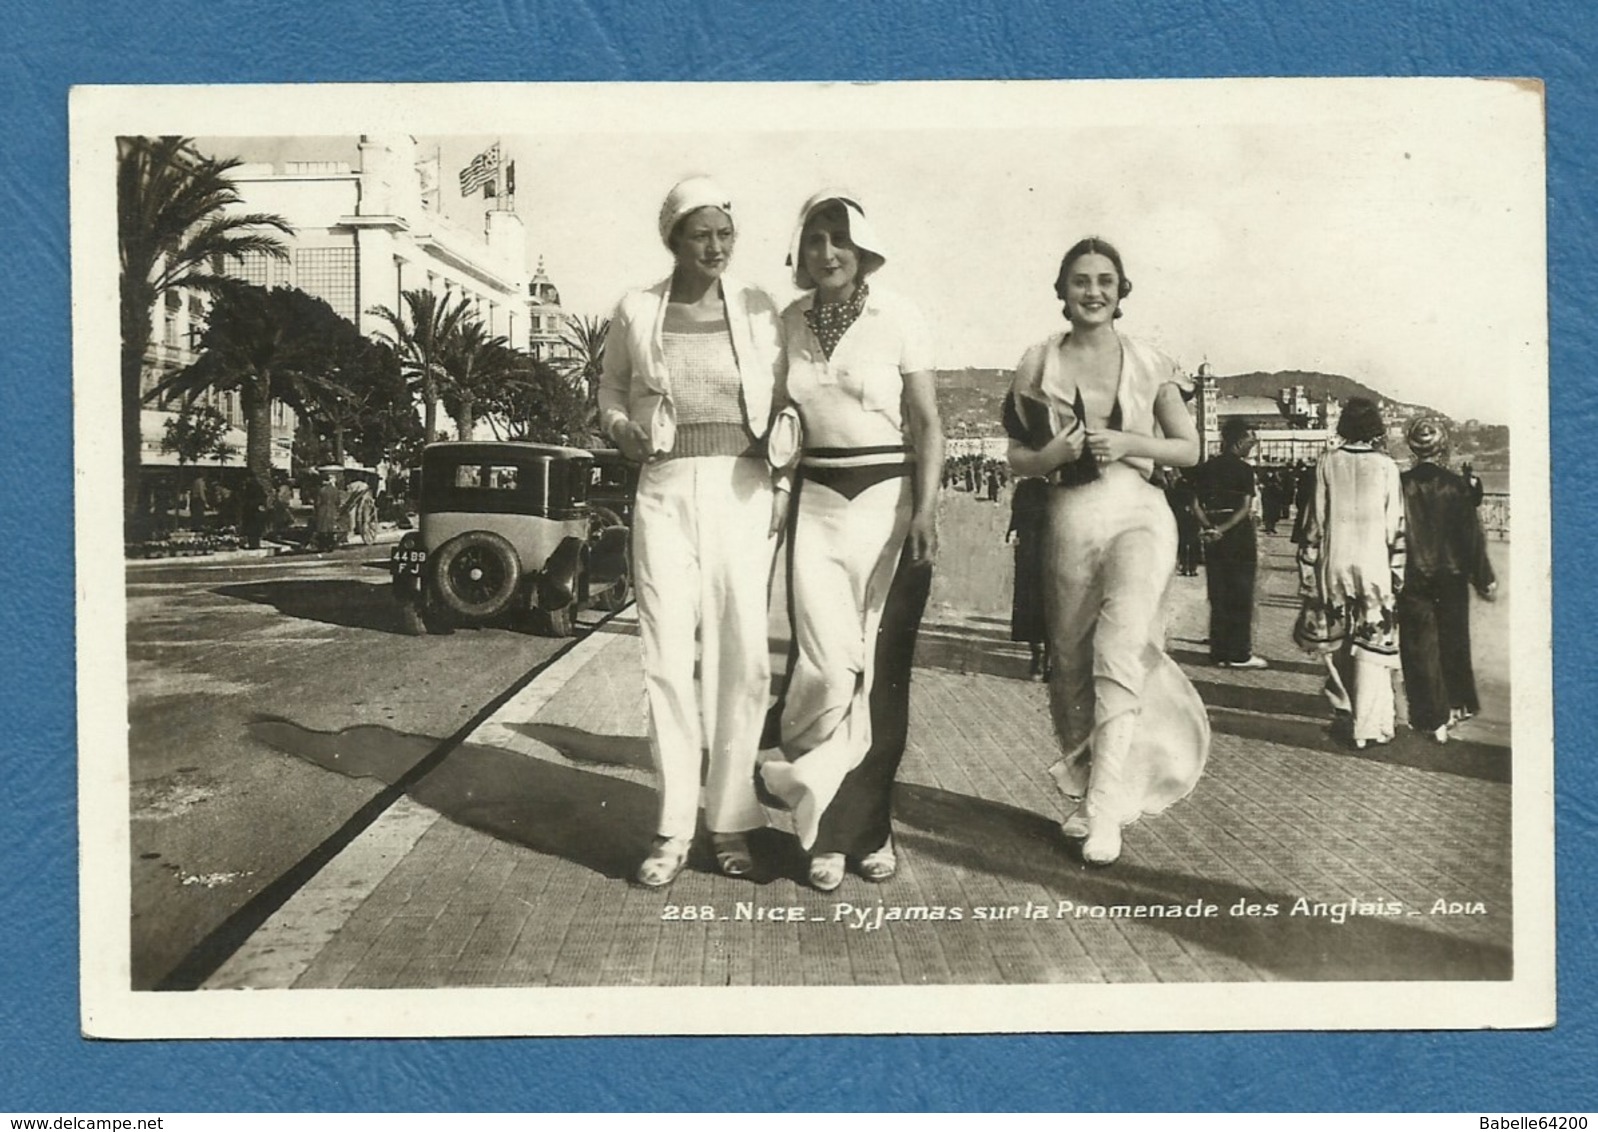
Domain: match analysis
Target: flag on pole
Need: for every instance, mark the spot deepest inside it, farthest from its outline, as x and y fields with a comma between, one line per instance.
x=482, y=170
x=510, y=178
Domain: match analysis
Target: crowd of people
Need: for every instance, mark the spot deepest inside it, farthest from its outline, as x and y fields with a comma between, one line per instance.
x=1387, y=560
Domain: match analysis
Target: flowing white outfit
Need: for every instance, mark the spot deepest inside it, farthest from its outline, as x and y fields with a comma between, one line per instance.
x=702, y=556
x=1133, y=730
x=846, y=546
x=1351, y=569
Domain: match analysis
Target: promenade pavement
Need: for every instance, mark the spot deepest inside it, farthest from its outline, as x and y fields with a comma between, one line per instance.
x=507, y=862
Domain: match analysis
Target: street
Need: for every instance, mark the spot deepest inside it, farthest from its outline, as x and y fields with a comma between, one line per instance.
x=306, y=647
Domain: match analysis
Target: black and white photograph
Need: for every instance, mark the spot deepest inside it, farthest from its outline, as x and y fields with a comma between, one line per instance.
x=813, y=558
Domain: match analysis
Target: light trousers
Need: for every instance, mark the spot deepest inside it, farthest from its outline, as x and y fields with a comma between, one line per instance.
x=702, y=558
x=845, y=552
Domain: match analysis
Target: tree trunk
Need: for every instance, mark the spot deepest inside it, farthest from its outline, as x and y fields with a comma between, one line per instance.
x=468, y=421
x=429, y=413
x=257, y=406
x=338, y=444
x=135, y=340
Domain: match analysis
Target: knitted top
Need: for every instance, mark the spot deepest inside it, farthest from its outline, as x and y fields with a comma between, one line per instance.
x=705, y=387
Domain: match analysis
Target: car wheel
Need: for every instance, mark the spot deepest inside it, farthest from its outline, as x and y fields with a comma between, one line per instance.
x=476, y=575
x=616, y=595
x=560, y=622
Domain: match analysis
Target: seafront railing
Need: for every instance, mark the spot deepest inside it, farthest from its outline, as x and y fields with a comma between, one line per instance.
x=1494, y=512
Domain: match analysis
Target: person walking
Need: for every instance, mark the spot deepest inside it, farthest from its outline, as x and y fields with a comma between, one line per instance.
x=1095, y=411
x=1351, y=569
x=1224, y=509
x=1180, y=495
x=860, y=373
x=691, y=377
x=328, y=513
x=1029, y=505
x=252, y=511
x=1447, y=556
x=360, y=512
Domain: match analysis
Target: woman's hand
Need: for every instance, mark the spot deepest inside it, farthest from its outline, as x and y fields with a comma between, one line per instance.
x=922, y=539
x=633, y=440
x=1107, y=445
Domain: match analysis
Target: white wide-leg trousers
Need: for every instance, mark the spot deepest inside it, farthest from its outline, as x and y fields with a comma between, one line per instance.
x=702, y=557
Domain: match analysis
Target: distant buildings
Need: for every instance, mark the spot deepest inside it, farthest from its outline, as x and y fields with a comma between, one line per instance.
x=364, y=234
x=1292, y=426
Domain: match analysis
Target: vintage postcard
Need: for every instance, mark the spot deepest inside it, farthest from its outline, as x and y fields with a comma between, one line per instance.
x=804, y=558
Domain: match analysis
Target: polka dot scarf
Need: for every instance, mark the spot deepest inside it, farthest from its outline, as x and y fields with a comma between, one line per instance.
x=830, y=320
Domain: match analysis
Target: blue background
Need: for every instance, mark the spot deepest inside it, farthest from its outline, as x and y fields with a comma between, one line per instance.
x=45, y=1065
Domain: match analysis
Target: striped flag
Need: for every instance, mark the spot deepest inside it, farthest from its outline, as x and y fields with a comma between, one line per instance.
x=481, y=171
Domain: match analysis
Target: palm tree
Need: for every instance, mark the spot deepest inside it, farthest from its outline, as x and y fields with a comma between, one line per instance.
x=476, y=365
x=420, y=339
x=173, y=231
x=584, y=336
x=270, y=346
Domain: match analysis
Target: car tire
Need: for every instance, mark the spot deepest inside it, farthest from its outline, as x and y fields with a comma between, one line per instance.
x=476, y=575
x=560, y=622
x=620, y=592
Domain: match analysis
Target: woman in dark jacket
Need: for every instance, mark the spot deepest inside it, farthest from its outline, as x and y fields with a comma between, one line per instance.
x=1447, y=556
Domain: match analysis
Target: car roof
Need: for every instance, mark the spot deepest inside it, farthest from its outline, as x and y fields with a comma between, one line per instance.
x=488, y=449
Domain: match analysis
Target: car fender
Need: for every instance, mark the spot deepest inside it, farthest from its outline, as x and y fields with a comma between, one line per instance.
x=607, y=555
x=557, y=581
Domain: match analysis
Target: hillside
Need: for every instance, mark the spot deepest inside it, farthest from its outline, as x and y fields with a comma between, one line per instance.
x=971, y=401
x=1318, y=384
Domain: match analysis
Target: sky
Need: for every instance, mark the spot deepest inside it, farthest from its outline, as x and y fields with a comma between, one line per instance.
x=1388, y=230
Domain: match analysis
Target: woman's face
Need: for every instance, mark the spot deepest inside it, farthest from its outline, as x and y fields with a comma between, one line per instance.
x=704, y=243
x=1092, y=290
x=829, y=255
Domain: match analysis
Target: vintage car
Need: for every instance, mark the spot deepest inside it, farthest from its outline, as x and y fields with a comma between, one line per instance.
x=505, y=529
x=613, y=483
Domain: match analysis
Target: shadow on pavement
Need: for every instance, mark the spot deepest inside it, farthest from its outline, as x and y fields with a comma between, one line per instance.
x=970, y=654
x=1273, y=701
x=595, y=820
x=1000, y=840
x=1196, y=658
x=1464, y=757
x=341, y=601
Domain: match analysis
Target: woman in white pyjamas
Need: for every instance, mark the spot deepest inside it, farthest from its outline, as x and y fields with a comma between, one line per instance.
x=860, y=373
x=691, y=373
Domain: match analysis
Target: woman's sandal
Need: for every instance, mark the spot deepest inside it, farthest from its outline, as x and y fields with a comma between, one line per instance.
x=826, y=871
x=666, y=859
x=880, y=865
x=732, y=854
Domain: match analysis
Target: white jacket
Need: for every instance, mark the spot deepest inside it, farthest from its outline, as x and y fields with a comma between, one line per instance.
x=635, y=385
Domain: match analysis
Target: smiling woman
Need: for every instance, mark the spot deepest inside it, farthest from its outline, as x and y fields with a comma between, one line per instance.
x=1094, y=412
x=860, y=567
x=690, y=380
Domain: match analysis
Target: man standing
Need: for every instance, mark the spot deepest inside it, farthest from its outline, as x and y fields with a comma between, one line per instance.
x=1224, y=509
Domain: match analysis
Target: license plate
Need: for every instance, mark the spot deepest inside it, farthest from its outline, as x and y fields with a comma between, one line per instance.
x=407, y=561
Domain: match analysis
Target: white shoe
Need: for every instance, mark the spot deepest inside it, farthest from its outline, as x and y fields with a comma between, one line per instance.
x=1441, y=734
x=1103, y=845
x=1251, y=662
x=1076, y=826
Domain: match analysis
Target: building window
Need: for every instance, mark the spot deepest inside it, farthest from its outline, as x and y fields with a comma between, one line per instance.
x=329, y=274
x=169, y=324
x=261, y=270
